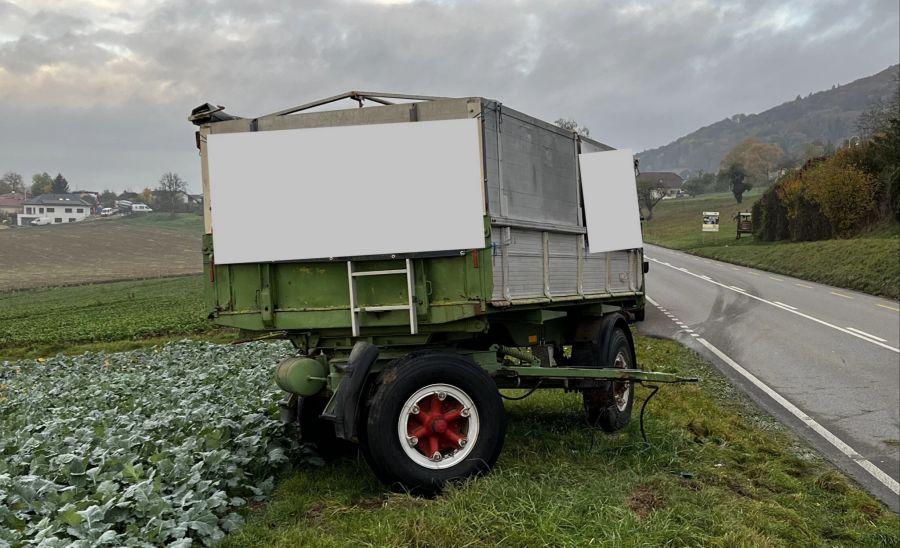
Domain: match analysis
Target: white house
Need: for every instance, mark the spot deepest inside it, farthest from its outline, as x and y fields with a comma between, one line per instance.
x=55, y=209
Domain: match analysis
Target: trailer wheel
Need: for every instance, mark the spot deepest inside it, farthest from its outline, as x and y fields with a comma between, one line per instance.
x=609, y=405
x=435, y=418
x=320, y=432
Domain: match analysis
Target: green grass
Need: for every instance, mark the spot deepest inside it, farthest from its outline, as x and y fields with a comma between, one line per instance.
x=185, y=222
x=558, y=483
x=869, y=262
x=113, y=316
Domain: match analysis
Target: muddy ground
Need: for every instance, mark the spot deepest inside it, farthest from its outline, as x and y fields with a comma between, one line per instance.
x=95, y=251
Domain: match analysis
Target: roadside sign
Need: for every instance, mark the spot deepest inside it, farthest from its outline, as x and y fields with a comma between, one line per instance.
x=744, y=223
x=710, y=221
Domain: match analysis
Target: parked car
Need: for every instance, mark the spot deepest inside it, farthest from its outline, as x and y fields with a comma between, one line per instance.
x=140, y=208
x=41, y=221
x=106, y=212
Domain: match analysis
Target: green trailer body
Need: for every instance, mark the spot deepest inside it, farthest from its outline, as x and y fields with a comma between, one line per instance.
x=532, y=306
x=534, y=256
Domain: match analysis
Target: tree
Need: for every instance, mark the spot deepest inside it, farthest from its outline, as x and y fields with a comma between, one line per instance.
x=108, y=198
x=11, y=182
x=756, y=158
x=170, y=186
x=701, y=183
x=876, y=118
x=60, y=185
x=147, y=196
x=41, y=183
x=649, y=194
x=736, y=181
x=572, y=125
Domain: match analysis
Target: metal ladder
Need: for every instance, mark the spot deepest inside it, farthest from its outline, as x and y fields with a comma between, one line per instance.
x=355, y=309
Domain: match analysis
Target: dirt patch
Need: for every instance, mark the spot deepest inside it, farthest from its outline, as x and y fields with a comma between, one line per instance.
x=644, y=501
x=95, y=251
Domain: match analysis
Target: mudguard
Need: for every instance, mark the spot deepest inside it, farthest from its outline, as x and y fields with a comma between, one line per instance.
x=349, y=392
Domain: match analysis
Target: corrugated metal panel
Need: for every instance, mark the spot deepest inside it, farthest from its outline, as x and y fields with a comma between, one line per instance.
x=595, y=274
x=563, y=251
x=497, y=245
x=532, y=171
x=621, y=277
x=491, y=162
x=526, y=264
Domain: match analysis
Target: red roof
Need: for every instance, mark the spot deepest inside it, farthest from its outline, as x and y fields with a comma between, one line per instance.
x=13, y=199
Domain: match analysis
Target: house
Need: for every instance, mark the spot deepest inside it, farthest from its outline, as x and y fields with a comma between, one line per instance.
x=90, y=196
x=666, y=183
x=55, y=208
x=11, y=204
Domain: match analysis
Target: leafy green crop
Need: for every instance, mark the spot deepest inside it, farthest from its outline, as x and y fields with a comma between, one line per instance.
x=143, y=448
x=102, y=312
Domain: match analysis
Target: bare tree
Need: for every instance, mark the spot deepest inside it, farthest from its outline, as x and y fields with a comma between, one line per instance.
x=170, y=186
x=572, y=125
x=649, y=194
x=11, y=182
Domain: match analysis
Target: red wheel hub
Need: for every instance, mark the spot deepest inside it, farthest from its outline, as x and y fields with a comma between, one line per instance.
x=439, y=426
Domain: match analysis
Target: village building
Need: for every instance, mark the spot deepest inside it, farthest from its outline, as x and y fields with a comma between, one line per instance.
x=54, y=209
x=11, y=203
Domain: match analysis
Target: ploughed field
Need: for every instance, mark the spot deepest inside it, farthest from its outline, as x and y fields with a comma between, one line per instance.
x=146, y=246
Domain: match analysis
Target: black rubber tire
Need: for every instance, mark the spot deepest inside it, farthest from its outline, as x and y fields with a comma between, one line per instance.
x=600, y=406
x=320, y=432
x=389, y=461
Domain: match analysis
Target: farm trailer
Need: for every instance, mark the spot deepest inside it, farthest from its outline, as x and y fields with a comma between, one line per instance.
x=422, y=254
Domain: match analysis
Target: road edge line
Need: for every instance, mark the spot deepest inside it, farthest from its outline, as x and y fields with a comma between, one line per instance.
x=838, y=443
x=772, y=303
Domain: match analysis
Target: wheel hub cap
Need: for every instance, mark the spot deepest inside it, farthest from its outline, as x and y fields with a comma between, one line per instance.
x=442, y=430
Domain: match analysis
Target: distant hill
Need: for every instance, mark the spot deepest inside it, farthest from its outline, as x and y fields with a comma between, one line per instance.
x=827, y=116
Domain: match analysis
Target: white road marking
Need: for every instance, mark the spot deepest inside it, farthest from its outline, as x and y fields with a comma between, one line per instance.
x=789, y=307
x=736, y=288
x=866, y=465
x=807, y=316
x=706, y=277
x=840, y=295
x=871, y=336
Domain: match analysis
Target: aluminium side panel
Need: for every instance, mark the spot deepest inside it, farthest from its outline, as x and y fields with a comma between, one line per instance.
x=536, y=175
x=621, y=277
x=563, y=256
x=525, y=253
x=595, y=273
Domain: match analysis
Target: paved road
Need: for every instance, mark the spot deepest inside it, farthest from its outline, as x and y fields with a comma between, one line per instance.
x=824, y=360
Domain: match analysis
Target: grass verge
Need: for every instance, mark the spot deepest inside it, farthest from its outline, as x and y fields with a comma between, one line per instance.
x=717, y=473
x=869, y=262
x=184, y=222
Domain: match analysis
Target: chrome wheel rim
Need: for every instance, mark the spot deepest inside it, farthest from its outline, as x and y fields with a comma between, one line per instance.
x=438, y=426
x=621, y=390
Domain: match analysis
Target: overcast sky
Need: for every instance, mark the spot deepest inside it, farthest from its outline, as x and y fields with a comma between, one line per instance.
x=100, y=89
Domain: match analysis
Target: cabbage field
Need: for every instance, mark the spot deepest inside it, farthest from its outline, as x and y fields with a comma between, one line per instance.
x=150, y=447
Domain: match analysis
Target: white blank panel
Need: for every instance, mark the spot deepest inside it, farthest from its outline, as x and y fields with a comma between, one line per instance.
x=610, y=200
x=346, y=191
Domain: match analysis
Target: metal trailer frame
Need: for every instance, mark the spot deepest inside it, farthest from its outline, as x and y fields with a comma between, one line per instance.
x=519, y=308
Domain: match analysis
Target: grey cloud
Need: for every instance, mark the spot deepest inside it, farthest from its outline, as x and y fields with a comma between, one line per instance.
x=637, y=78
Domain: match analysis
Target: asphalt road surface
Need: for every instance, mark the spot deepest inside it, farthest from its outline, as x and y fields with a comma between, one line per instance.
x=824, y=360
